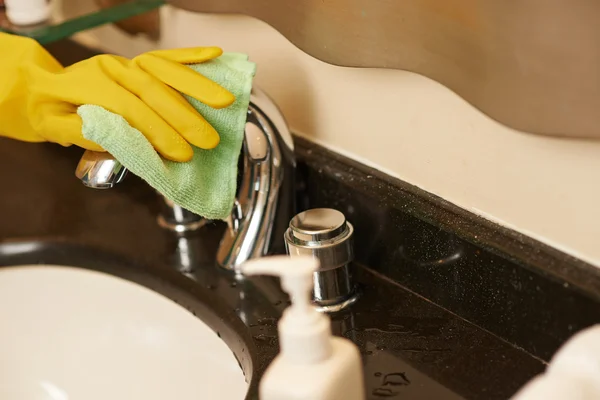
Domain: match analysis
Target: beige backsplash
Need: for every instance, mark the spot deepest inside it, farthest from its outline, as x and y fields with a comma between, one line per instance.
x=408, y=126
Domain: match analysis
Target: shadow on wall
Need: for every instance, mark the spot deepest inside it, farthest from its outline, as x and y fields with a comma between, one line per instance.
x=297, y=100
x=147, y=24
x=122, y=39
x=281, y=74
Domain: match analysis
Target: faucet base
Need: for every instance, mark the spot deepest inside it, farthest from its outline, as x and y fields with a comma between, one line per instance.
x=180, y=227
x=337, y=307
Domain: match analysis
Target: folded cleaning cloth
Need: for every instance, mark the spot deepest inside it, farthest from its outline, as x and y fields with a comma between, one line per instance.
x=205, y=185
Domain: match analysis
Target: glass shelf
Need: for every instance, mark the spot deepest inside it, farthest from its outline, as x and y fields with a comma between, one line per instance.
x=50, y=32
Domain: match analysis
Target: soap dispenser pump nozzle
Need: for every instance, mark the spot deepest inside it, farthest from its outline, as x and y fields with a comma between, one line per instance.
x=304, y=333
x=296, y=275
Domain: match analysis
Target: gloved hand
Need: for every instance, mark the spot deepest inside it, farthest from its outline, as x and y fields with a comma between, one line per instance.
x=39, y=98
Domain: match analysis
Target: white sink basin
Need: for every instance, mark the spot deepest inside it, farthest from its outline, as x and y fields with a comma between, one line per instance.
x=73, y=334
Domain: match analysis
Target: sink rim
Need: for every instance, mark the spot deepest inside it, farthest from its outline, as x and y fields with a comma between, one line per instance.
x=200, y=301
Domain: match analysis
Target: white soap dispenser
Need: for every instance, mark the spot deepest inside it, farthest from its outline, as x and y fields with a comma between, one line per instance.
x=312, y=363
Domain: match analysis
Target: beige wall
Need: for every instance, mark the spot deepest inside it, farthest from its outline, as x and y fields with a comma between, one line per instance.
x=412, y=128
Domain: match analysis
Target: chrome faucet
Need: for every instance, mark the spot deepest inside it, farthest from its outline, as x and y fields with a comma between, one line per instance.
x=265, y=200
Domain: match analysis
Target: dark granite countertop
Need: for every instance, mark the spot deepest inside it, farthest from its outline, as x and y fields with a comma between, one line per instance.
x=412, y=349
x=410, y=346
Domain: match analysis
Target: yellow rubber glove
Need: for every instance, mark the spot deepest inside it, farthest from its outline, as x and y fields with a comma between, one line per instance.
x=39, y=98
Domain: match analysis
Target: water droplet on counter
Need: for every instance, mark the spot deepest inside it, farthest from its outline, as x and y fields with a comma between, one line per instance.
x=384, y=392
x=377, y=374
x=261, y=338
x=396, y=379
x=272, y=340
x=266, y=321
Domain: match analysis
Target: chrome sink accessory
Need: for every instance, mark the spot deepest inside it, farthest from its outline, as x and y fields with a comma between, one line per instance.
x=324, y=233
x=100, y=170
x=266, y=191
x=177, y=219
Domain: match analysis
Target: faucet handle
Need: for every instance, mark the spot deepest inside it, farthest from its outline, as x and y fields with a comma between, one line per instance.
x=100, y=170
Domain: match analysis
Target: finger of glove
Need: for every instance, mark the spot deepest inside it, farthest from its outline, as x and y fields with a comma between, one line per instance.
x=170, y=105
x=186, y=120
x=94, y=86
x=159, y=133
x=186, y=80
x=60, y=124
x=192, y=55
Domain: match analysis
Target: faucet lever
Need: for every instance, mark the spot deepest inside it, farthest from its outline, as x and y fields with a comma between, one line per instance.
x=100, y=170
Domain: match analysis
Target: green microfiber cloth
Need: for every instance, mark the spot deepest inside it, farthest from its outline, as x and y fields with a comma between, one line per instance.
x=206, y=185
